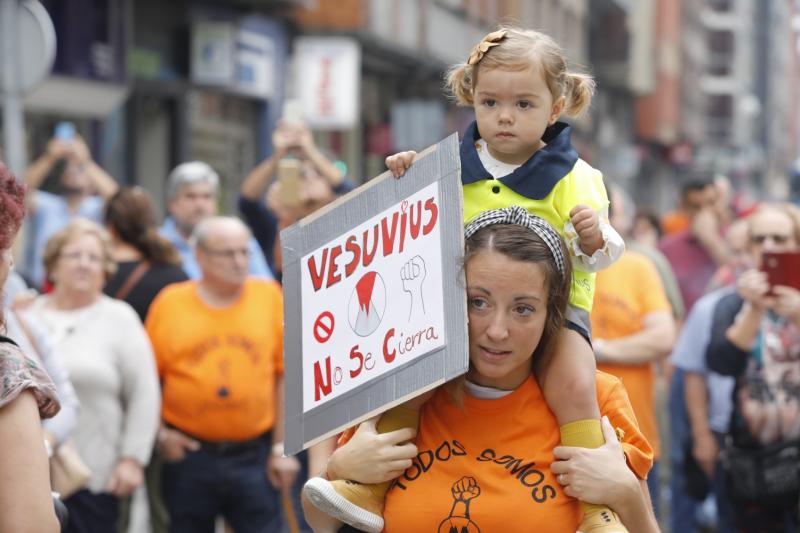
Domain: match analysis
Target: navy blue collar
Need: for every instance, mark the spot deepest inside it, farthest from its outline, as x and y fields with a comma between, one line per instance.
x=537, y=176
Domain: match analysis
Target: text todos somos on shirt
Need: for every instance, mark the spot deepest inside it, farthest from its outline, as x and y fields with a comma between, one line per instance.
x=372, y=299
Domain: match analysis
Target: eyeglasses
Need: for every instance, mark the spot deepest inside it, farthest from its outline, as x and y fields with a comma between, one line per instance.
x=229, y=254
x=774, y=237
x=77, y=256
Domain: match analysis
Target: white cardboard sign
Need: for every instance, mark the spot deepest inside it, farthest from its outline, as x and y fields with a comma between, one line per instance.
x=374, y=301
x=372, y=298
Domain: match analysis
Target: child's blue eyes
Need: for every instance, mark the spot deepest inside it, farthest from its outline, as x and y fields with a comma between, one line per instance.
x=522, y=104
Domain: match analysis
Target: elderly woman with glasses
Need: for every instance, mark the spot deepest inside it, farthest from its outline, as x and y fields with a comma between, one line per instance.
x=111, y=365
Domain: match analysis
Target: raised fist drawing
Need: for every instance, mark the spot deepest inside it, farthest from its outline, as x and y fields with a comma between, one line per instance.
x=465, y=489
x=413, y=274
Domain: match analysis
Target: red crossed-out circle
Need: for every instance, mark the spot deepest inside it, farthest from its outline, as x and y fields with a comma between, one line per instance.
x=323, y=327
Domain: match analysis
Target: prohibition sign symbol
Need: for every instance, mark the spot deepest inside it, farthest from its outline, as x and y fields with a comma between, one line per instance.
x=323, y=327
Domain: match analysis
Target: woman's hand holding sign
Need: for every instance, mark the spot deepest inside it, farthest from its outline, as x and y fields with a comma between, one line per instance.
x=372, y=457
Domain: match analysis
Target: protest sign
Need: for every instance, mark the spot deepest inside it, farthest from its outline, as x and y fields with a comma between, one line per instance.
x=375, y=308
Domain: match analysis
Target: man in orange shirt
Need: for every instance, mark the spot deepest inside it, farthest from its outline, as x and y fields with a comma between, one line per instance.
x=632, y=327
x=219, y=348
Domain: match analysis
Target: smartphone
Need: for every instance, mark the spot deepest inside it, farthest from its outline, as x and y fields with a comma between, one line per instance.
x=782, y=269
x=289, y=178
x=65, y=131
x=293, y=112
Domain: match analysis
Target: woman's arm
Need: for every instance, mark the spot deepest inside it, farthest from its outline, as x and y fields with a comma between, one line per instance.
x=38, y=170
x=141, y=400
x=367, y=457
x=333, y=176
x=60, y=426
x=104, y=185
x=26, y=505
x=255, y=184
x=602, y=476
x=725, y=355
x=318, y=456
x=372, y=457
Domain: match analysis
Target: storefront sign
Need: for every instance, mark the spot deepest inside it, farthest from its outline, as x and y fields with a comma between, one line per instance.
x=327, y=75
x=238, y=58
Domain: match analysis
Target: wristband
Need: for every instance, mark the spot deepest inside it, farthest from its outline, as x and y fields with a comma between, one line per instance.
x=278, y=449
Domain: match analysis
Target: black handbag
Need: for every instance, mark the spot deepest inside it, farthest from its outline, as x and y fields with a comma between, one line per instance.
x=768, y=476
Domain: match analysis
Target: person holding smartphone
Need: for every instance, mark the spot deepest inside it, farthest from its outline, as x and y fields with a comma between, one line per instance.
x=307, y=179
x=755, y=338
x=82, y=188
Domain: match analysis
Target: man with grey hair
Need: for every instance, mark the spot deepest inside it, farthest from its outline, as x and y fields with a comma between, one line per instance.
x=218, y=343
x=192, y=193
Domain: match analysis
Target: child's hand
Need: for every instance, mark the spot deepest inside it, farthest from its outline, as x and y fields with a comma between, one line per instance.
x=587, y=225
x=399, y=163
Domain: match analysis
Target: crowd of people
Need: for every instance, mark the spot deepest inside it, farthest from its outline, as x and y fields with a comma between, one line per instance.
x=95, y=315
x=150, y=356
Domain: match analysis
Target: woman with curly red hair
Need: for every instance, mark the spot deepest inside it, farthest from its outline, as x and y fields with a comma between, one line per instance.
x=12, y=210
x=26, y=394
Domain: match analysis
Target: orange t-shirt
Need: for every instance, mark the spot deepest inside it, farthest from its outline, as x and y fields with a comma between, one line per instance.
x=486, y=466
x=218, y=366
x=626, y=292
x=675, y=222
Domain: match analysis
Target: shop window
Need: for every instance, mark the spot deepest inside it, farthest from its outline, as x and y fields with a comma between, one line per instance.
x=720, y=52
x=720, y=5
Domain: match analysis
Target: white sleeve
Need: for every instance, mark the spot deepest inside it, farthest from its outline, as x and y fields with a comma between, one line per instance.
x=613, y=247
x=140, y=389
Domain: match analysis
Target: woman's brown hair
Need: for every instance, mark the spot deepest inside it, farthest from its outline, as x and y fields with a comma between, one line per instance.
x=130, y=215
x=524, y=244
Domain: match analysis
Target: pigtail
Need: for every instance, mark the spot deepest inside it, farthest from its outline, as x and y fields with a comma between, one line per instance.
x=458, y=82
x=579, y=92
x=156, y=248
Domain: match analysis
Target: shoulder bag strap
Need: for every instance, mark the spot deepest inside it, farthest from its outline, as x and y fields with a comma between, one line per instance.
x=132, y=279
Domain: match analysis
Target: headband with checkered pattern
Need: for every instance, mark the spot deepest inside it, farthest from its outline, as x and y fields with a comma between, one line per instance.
x=520, y=217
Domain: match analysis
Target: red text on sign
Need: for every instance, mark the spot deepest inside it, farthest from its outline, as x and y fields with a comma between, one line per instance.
x=391, y=231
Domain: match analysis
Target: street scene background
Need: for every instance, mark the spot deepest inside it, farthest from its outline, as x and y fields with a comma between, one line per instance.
x=695, y=123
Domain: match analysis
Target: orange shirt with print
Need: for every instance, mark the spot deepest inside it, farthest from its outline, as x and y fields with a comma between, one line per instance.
x=486, y=465
x=627, y=291
x=218, y=365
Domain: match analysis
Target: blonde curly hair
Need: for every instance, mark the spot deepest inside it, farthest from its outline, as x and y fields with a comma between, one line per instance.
x=78, y=228
x=512, y=48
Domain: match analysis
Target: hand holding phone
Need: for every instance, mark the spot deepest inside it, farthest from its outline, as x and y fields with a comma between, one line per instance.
x=65, y=132
x=293, y=113
x=782, y=268
x=289, y=179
